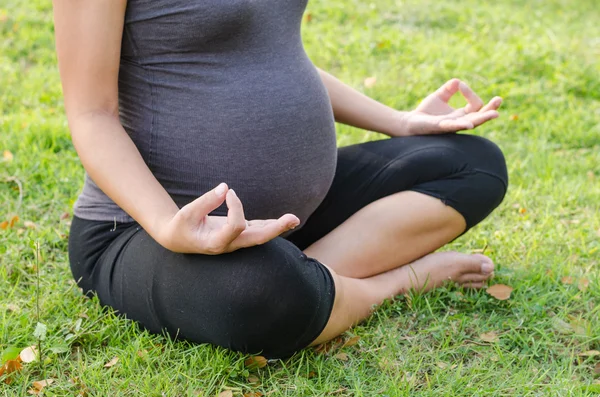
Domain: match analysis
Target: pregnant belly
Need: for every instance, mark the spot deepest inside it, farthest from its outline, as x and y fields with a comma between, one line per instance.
x=269, y=135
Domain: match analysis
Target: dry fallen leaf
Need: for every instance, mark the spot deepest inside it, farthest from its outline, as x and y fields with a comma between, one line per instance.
x=351, y=342
x=9, y=367
x=8, y=156
x=64, y=216
x=40, y=384
x=12, y=307
x=514, y=117
x=597, y=369
x=583, y=285
x=567, y=280
x=226, y=393
x=253, y=379
x=341, y=356
x=309, y=17
x=111, y=362
x=500, y=291
x=29, y=354
x=370, y=81
x=255, y=362
x=13, y=221
x=253, y=394
x=4, y=225
x=522, y=211
x=489, y=337
x=29, y=225
x=589, y=353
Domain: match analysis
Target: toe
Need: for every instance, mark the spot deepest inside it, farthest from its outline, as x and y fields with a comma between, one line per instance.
x=487, y=265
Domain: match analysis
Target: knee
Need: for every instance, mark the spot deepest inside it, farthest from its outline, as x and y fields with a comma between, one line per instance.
x=280, y=304
x=485, y=156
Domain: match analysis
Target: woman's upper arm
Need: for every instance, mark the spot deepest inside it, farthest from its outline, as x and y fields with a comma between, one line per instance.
x=88, y=44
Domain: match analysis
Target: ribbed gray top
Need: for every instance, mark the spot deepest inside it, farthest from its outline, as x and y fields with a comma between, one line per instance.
x=217, y=91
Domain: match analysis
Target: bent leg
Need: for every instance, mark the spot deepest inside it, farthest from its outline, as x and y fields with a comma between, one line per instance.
x=394, y=201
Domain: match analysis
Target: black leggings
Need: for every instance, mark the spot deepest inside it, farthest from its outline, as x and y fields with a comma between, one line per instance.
x=273, y=299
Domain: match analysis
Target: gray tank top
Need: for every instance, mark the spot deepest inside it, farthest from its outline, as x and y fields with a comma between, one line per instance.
x=217, y=91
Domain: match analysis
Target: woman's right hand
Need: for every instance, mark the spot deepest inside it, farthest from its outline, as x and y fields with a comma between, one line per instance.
x=192, y=230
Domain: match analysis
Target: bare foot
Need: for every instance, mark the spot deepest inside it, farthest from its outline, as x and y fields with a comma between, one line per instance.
x=435, y=270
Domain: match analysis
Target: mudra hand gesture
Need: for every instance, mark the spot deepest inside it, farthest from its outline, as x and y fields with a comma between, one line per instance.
x=435, y=116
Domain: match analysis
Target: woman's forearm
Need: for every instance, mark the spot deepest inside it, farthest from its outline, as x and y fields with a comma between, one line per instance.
x=358, y=110
x=116, y=166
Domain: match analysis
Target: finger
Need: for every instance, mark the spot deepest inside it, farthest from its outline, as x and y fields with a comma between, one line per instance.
x=446, y=91
x=206, y=203
x=453, y=125
x=494, y=104
x=475, y=103
x=236, y=223
x=257, y=235
x=479, y=118
x=473, y=278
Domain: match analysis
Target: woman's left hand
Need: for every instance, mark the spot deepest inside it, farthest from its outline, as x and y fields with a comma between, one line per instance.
x=435, y=116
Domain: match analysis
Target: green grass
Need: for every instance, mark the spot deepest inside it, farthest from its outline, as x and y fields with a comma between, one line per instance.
x=541, y=56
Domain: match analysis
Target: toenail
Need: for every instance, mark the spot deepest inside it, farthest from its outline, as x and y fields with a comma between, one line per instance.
x=487, y=268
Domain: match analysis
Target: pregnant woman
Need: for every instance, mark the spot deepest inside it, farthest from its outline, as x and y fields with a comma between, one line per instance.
x=216, y=206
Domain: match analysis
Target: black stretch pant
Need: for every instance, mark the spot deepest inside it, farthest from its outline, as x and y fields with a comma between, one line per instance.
x=272, y=298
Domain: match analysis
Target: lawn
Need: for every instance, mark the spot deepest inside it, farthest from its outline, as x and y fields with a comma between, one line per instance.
x=542, y=56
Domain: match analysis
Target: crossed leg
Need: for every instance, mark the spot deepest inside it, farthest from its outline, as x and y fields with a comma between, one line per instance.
x=385, y=248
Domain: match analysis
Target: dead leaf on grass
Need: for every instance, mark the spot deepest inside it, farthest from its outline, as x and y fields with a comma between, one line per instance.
x=568, y=280
x=597, y=369
x=29, y=354
x=500, y=291
x=253, y=394
x=64, y=216
x=341, y=356
x=490, y=337
x=255, y=362
x=583, y=284
x=111, y=362
x=253, y=379
x=7, y=155
x=351, y=342
x=30, y=225
x=9, y=367
x=589, y=353
x=514, y=117
x=4, y=225
x=226, y=393
x=39, y=385
x=13, y=221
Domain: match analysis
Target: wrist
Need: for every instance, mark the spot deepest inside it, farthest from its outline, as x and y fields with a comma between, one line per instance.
x=159, y=227
x=396, y=126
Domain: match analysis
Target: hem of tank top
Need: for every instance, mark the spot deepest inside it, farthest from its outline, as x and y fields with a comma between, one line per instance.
x=96, y=217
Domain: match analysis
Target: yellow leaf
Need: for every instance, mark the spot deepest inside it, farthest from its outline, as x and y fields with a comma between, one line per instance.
x=514, y=117
x=255, y=362
x=111, y=362
x=226, y=393
x=500, y=291
x=4, y=225
x=29, y=354
x=489, y=337
x=8, y=156
x=370, y=81
x=29, y=225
